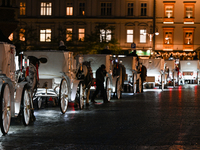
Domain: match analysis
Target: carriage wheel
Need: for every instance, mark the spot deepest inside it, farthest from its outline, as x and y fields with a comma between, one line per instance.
x=108, y=89
x=5, y=109
x=63, y=96
x=80, y=93
x=25, y=106
x=39, y=102
x=118, y=89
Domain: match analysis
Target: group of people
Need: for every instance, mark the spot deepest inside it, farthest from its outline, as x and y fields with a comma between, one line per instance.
x=100, y=76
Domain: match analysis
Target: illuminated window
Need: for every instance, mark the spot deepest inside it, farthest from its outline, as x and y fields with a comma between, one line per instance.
x=189, y=12
x=168, y=37
x=45, y=35
x=105, y=35
x=143, y=9
x=22, y=8
x=69, y=34
x=143, y=36
x=106, y=9
x=46, y=9
x=130, y=9
x=82, y=9
x=11, y=37
x=169, y=12
x=69, y=9
x=129, y=36
x=81, y=34
x=188, y=38
x=22, y=35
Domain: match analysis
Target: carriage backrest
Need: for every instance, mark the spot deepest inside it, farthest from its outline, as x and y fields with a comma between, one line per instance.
x=7, y=59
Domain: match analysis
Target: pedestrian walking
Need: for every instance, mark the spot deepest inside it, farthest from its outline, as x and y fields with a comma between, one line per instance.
x=100, y=74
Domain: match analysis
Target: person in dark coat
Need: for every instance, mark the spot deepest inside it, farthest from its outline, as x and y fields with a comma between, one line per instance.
x=100, y=74
x=143, y=75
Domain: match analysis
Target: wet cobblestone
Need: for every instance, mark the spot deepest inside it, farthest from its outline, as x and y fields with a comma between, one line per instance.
x=155, y=119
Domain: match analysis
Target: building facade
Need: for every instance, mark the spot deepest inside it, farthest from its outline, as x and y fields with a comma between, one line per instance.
x=132, y=19
x=178, y=23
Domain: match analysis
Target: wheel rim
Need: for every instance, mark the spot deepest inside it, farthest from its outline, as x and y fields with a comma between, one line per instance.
x=6, y=111
x=26, y=107
x=64, y=96
x=108, y=89
x=118, y=89
x=81, y=101
x=39, y=102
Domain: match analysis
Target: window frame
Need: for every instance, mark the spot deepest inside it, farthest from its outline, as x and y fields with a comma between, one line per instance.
x=144, y=35
x=132, y=7
x=46, y=10
x=22, y=8
x=187, y=19
x=108, y=37
x=82, y=9
x=81, y=33
x=106, y=8
x=46, y=35
x=185, y=45
x=69, y=36
x=69, y=9
x=169, y=19
x=128, y=35
x=170, y=45
x=141, y=7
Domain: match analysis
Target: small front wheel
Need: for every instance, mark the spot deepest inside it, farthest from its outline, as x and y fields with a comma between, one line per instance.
x=25, y=106
x=5, y=108
x=63, y=96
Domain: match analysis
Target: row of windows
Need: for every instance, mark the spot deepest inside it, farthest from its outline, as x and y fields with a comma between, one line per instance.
x=188, y=12
x=105, y=35
x=106, y=9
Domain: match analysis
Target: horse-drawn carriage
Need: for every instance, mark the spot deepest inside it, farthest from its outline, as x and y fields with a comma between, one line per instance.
x=131, y=64
x=189, y=71
x=15, y=98
x=58, y=77
x=114, y=76
x=155, y=71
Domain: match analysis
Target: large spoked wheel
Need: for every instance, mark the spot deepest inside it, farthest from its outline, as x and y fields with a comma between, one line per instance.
x=63, y=96
x=80, y=95
x=25, y=106
x=118, y=89
x=5, y=108
x=108, y=89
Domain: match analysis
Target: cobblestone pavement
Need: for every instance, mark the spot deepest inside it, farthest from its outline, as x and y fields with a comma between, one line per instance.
x=155, y=119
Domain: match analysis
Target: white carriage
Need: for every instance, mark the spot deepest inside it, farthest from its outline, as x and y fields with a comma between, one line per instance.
x=170, y=72
x=113, y=83
x=189, y=70
x=15, y=98
x=155, y=71
x=130, y=63
x=57, y=77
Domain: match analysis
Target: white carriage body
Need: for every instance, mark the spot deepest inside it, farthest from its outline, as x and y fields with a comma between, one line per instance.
x=189, y=69
x=51, y=72
x=155, y=68
x=171, y=65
